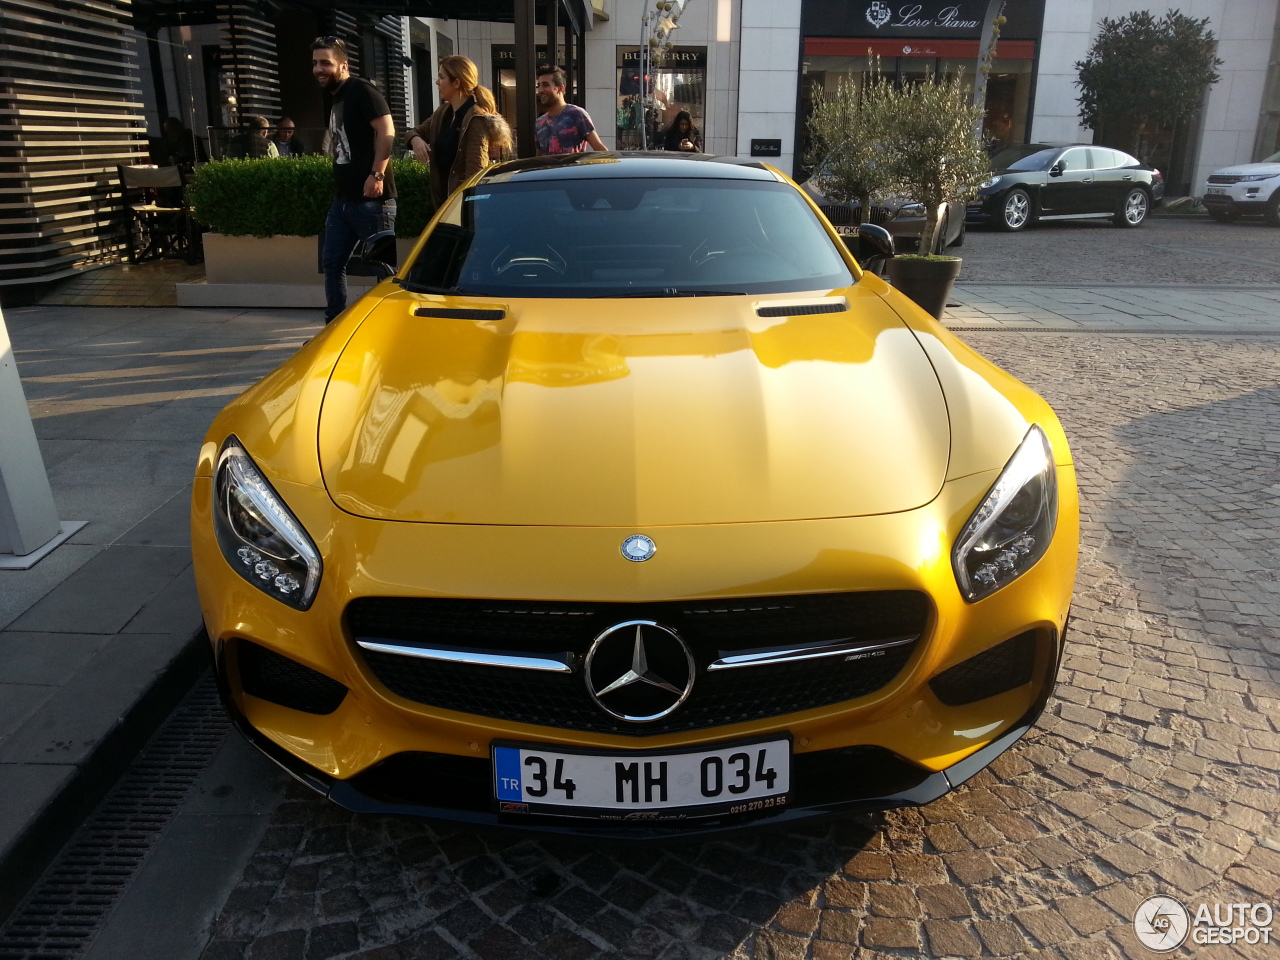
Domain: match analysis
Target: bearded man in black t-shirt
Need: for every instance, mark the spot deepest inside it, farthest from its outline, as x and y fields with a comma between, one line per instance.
x=361, y=133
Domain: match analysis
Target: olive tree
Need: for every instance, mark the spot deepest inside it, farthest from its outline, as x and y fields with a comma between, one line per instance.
x=1142, y=68
x=928, y=144
x=846, y=129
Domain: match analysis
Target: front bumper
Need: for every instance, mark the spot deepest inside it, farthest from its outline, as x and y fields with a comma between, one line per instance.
x=900, y=744
x=1230, y=205
x=980, y=211
x=449, y=788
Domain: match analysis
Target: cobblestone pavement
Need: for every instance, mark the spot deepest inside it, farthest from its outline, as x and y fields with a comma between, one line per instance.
x=1154, y=770
x=1163, y=250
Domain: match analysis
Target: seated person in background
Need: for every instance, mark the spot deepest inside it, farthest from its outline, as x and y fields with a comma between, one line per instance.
x=259, y=131
x=177, y=146
x=682, y=135
x=286, y=141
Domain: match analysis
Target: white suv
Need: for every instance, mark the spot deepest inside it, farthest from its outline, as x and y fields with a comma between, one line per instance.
x=1246, y=188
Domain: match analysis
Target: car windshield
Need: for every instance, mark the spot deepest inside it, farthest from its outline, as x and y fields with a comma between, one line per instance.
x=603, y=237
x=1012, y=159
x=1274, y=158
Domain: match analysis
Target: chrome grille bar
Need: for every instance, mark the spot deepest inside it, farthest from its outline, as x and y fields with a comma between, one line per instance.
x=549, y=663
x=847, y=647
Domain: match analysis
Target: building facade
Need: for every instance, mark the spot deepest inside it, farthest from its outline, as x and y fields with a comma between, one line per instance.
x=85, y=87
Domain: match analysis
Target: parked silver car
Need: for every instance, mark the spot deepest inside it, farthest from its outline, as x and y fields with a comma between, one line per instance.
x=904, y=219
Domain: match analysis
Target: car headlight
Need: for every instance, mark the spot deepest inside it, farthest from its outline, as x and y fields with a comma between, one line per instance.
x=989, y=183
x=911, y=210
x=1013, y=525
x=1255, y=177
x=260, y=537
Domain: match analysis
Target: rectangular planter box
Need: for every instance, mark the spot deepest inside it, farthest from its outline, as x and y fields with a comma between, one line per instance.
x=267, y=272
x=287, y=260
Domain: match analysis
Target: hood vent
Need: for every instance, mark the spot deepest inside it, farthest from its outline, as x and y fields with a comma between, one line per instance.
x=801, y=309
x=442, y=313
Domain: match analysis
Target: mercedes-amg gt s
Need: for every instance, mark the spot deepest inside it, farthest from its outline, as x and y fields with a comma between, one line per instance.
x=632, y=504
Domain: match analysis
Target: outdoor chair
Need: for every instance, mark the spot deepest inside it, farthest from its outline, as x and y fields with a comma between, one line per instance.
x=156, y=219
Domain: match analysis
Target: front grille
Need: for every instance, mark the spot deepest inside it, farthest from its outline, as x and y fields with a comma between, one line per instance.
x=711, y=628
x=840, y=215
x=1223, y=178
x=997, y=670
x=846, y=215
x=271, y=676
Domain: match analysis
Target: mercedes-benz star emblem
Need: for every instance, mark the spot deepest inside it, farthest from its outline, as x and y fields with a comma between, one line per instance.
x=638, y=548
x=639, y=671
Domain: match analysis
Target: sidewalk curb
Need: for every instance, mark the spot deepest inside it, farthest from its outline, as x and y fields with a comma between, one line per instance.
x=27, y=857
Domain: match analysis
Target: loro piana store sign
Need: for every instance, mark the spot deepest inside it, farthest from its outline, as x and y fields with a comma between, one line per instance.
x=887, y=18
x=948, y=17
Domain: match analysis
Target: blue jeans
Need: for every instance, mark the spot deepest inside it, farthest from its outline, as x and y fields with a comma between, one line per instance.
x=347, y=225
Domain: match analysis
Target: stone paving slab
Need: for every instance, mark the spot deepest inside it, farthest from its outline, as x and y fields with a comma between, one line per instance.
x=1116, y=308
x=98, y=640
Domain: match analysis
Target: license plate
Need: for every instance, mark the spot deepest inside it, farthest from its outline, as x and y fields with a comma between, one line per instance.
x=740, y=778
x=1216, y=191
x=847, y=231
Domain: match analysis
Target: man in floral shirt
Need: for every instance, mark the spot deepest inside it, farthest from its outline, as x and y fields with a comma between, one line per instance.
x=563, y=128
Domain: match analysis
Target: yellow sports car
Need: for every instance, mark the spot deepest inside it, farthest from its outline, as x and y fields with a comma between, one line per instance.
x=631, y=504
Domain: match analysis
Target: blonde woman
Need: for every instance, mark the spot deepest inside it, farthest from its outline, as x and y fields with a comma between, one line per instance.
x=461, y=136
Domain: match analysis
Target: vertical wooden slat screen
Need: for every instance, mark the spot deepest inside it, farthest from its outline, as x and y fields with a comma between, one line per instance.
x=395, y=91
x=70, y=112
x=252, y=54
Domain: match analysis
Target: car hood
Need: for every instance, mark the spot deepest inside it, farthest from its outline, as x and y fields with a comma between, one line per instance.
x=1248, y=169
x=632, y=413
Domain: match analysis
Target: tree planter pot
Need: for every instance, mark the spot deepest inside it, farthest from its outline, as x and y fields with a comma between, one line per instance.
x=927, y=282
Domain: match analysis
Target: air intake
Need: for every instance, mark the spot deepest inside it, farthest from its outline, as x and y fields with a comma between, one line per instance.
x=271, y=676
x=1002, y=668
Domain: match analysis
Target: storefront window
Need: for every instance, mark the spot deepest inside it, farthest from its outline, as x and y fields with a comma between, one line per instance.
x=680, y=85
x=504, y=76
x=1008, y=84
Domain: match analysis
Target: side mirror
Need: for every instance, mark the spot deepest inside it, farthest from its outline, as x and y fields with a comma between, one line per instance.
x=379, y=252
x=1056, y=169
x=875, y=247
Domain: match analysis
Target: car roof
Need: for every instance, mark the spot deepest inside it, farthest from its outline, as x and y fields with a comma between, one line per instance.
x=628, y=164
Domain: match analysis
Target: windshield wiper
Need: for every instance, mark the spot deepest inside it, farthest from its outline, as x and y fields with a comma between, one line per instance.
x=677, y=292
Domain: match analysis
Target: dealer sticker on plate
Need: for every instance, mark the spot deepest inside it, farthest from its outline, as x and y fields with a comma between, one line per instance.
x=734, y=779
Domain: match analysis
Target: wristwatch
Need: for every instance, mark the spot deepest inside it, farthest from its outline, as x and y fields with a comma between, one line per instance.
x=377, y=176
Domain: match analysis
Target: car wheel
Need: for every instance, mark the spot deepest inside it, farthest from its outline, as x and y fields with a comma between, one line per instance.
x=940, y=238
x=1273, y=210
x=1133, y=208
x=1224, y=215
x=959, y=240
x=1015, y=210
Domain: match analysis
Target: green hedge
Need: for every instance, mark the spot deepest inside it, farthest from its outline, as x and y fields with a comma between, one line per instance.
x=290, y=196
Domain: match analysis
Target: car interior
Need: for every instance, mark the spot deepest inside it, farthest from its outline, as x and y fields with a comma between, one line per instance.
x=611, y=237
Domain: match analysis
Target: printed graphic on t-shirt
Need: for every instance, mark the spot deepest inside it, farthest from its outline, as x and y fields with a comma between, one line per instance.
x=338, y=142
x=566, y=132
